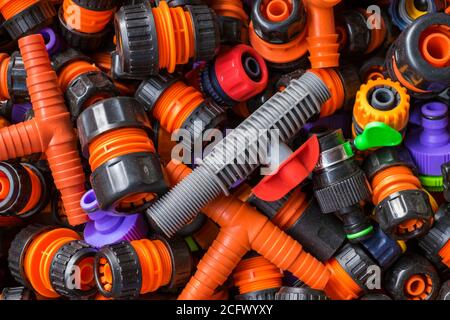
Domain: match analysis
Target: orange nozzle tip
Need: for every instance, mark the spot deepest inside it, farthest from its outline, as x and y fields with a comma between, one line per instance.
x=277, y=10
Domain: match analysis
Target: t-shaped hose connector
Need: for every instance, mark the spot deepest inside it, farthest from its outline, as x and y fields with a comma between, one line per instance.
x=239, y=153
x=50, y=131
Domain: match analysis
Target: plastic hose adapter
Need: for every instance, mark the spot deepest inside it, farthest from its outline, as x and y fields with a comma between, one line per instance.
x=236, y=75
x=23, y=189
x=37, y=250
x=278, y=21
x=322, y=37
x=404, y=12
x=115, y=131
x=17, y=293
x=300, y=216
x=23, y=17
x=232, y=20
x=127, y=269
x=412, y=277
x=288, y=112
x=109, y=227
x=429, y=144
x=419, y=58
x=381, y=100
x=162, y=48
x=350, y=270
x=58, y=141
x=299, y=294
x=85, y=25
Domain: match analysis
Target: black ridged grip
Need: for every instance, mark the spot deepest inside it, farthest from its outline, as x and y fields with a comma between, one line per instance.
x=125, y=269
x=62, y=268
x=300, y=294
x=17, y=293
x=267, y=294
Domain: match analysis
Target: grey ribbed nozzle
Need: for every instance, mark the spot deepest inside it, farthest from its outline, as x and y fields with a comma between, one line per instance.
x=240, y=152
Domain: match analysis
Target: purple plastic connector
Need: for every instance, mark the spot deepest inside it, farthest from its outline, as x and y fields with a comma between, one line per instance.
x=429, y=144
x=19, y=112
x=107, y=227
x=52, y=41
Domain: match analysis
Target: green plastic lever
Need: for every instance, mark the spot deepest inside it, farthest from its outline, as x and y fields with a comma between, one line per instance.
x=377, y=134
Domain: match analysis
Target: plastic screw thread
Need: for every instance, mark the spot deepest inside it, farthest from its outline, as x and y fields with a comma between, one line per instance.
x=234, y=157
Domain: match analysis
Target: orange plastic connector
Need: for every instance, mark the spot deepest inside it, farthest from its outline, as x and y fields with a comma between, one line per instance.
x=176, y=42
x=435, y=49
x=444, y=253
x=175, y=105
x=418, y=287
x=243, y=228
x=73, y=70
x=9, y=8
x=58, y=140
x=4, y=61
x=39, y=256
x=334, y=83
x=255, y=274
x=322, y=38
x=85, y=20
x=396, y=116
x=229, y=8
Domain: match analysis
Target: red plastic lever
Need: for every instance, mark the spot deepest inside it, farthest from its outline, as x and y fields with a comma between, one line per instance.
x=290, y=173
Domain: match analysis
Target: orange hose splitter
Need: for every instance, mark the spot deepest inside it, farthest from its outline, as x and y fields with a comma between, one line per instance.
x=243, y=228
x=57, y=141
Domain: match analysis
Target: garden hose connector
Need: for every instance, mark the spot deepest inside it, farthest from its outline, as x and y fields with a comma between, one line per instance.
x=48, y=260
x=350, y=271
x=13, y=78
x=109, y=227
x=57, y=141
x=232, y=20
x=299, y=215
x=236, y=75
x=372, y=69
x=299, y=294
x=243, y=228
x=355, y=36
x=82, y=82
x=436, y=244
x=412, y=277
x=173, y=36
x=179, y=106
x=322, y=38
x=381, y=100
x=257, y=278
x=17, y=294
x=114, y=136
x=340, y=185
x=86, y=24
x=404, y=12
x=127, y=269
x=289, y=110
x=277, y=31
x=429, y=144
x=420, y=57
x=402, y=208
x=24, y=17
x=444, y=292
x=24, y=190
x=383, y=249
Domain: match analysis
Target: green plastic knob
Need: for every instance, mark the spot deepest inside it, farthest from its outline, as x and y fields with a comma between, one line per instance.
x=377, y=134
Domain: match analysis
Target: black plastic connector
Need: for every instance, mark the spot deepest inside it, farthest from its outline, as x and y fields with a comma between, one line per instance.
x=231, y=30
x=444, y=293
x=412, y=277
x=86, y=88
x=96, y=5
x=299, y=294
x=66, y=57
x=16, y=79
x=142, y=169
x=278, y=32
x=62, y=269
x=266, y=294
x=375, y=296
x=357, y=35
x=406, y=57
x=30, y=20
x=151, y=89
x=20, y=189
